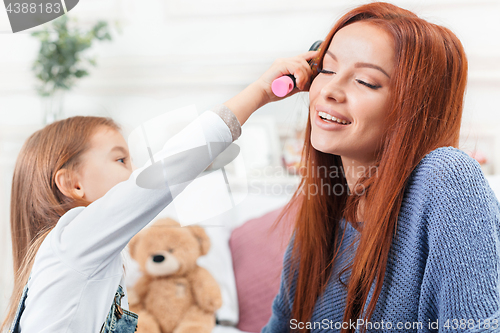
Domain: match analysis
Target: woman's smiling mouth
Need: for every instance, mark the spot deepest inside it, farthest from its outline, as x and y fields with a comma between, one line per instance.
x=328, y=122
x=330, y=119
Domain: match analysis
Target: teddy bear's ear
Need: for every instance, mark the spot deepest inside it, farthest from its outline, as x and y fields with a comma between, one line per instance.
x=133, y=244
x=202, y=238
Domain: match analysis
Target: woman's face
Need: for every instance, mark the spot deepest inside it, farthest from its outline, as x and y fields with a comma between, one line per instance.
x=354, y=87
x=105, y=164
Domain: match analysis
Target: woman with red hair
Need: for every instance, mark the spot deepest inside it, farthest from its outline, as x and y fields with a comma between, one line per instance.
x=397, y=229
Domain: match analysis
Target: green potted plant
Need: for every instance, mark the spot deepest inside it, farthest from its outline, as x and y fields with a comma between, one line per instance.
x=60, y=61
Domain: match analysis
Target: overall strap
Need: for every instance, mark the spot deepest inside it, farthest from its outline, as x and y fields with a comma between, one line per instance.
x=14, y=327
x=118, y=301
x=119, y=320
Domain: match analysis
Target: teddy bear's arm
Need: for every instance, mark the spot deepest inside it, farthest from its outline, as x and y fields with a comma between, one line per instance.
x=206, y=291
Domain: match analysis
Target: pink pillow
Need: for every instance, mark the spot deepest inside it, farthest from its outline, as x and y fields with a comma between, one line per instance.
x=257, y=261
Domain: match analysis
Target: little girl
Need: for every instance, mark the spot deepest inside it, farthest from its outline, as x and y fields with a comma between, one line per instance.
x=75, y=206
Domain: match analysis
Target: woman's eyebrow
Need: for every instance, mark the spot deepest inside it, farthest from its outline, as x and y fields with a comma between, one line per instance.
x=360, y=64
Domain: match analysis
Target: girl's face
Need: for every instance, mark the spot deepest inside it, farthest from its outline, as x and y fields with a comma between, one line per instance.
x=354, y=87
x=105, y=164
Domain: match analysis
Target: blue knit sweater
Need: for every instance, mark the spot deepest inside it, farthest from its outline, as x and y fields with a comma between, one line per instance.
x=443, y=266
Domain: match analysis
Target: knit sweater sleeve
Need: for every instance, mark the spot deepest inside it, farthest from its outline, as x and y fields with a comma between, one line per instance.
x=283, y=302
x=461, y=283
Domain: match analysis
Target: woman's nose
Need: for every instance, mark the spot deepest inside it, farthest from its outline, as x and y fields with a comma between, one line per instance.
x=333, y=89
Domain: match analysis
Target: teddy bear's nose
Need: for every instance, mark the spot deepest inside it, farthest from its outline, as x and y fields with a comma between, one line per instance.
x=158, y=258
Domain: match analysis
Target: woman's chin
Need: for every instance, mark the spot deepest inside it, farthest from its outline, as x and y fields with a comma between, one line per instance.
x=323, y=146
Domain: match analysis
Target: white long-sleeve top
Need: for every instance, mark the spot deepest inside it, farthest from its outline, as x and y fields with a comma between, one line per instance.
x=78, y=267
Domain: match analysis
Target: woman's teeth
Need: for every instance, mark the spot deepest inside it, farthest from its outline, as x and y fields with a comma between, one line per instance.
x=329, y=118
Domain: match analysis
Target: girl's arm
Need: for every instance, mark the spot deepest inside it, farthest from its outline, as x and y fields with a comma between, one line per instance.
x=88, y=239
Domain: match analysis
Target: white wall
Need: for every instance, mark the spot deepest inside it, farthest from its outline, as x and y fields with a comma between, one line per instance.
x=175, y=53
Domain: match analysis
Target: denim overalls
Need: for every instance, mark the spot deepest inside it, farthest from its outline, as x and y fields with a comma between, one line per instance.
x=118, y=320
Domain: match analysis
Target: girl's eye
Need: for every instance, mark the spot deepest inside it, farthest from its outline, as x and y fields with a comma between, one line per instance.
x=122, y=159
x=326, y=72
x=368, y=85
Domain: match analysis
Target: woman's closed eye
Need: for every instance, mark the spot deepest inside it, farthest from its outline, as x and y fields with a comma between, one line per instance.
x=368, y=84
x=324, y=71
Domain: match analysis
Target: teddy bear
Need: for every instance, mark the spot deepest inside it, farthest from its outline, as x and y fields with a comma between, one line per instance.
x=174, y=294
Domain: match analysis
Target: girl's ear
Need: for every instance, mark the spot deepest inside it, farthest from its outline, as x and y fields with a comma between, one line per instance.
x=68, y=185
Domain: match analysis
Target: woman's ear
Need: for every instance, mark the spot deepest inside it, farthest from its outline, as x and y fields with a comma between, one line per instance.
x=68, y=185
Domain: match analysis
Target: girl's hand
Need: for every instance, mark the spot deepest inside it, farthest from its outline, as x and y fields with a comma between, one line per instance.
x=297, y=66
x=259, y=93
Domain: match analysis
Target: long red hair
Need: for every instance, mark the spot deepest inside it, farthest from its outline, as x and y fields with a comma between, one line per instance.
x=426, y=93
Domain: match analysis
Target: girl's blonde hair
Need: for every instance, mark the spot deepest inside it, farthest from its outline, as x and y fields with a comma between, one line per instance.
x=36, y=201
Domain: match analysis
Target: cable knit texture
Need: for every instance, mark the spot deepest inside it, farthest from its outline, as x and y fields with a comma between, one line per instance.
x=443, y=264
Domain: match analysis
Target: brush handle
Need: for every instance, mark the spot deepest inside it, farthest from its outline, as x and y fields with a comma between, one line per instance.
x=283, y=85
